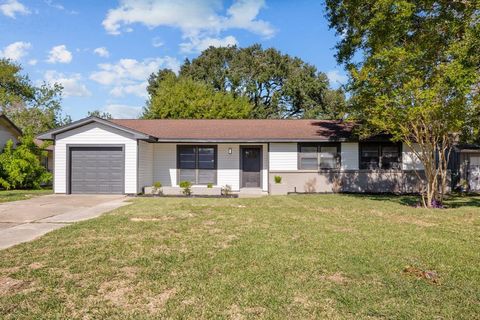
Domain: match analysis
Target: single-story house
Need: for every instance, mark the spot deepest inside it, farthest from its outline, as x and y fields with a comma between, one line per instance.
x=94, y=155
x=9, y=131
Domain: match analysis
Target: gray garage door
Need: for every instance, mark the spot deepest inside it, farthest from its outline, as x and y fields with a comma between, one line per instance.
x=96, y=170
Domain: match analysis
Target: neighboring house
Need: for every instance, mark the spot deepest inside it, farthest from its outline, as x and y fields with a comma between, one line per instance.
x=94, y=155
x=9, y=131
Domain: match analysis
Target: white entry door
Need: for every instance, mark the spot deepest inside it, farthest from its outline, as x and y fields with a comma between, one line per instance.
x=474, y=173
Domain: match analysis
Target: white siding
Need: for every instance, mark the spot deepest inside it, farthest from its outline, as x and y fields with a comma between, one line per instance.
x=145, y=165
x=265, y=168
x=95, y=134
x=165, y=164
x=409, y=160
x=229, y=166
x=283, y=157
x=349, y=156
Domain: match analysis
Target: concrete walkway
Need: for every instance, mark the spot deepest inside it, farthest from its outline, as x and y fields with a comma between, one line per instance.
x=25, y=220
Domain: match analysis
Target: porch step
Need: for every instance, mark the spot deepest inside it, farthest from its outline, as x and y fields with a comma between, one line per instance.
x=251, y=193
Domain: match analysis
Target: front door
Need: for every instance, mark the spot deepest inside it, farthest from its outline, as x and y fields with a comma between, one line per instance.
x=251, y=167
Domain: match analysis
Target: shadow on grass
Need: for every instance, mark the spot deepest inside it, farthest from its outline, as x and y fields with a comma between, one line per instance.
x=452, y=201
x=406, y=200
x=458, y=201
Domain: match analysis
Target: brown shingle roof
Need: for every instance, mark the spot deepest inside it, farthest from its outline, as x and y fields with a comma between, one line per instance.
x=241, y=130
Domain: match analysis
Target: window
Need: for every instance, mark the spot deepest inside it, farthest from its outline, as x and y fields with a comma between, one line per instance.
x=385, y=155
x=318, y=156
x=197, y=164
x=328, y=157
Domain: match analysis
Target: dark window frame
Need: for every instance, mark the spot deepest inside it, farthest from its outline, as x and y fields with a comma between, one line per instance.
x=380, y=145
x=318, y=146
x=197, y=169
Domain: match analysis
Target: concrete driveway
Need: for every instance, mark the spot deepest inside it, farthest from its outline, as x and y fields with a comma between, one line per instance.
x=26, y=220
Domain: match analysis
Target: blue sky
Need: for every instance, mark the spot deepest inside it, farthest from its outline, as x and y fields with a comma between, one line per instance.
x=103, y=51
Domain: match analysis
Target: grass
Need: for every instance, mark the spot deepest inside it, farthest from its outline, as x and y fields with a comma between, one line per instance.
x=311, y=256
x=15, y=195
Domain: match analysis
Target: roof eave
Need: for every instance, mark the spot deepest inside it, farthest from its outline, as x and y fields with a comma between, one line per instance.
x=50, y=135
x=265, y=140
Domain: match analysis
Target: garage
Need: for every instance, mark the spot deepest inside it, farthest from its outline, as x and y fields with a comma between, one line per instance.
x=97, y=169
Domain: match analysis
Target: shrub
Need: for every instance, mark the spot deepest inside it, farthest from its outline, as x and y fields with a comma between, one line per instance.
x=156, y=186
x=20, y=167
x=186, y=185
x=210, y=185
x=278, y=179
x=226, y=190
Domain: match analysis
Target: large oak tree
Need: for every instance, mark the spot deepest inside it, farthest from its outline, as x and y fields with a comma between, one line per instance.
x=276, y=85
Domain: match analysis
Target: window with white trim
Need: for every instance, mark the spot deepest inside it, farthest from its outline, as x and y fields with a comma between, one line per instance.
x=197, y=164
x=315, y=156
x=380, y=155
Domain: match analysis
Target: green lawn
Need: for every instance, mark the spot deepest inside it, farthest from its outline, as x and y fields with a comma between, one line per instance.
x=315, y=256
x=14, y=195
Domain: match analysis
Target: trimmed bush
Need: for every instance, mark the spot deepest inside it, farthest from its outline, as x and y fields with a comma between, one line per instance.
x=187, y=187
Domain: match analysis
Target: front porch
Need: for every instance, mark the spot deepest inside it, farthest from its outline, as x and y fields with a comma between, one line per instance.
x=208, y=166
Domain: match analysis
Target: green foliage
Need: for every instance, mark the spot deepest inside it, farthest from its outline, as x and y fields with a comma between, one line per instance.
x=100, y=114
x=14, y=87
x=184, y=98
x=157, y=185
x=420, y=62
x=418, y=76
x=20, y=167
x=278, y=179
x=187, y=187
x=34, y=109
x=273, y=84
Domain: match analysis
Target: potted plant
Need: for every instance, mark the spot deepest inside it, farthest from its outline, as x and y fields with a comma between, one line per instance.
x=278, y=188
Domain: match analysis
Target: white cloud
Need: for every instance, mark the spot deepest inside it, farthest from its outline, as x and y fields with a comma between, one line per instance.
x=242, y=15
x=198, y=20
x=123, y=111
x=102, y=52
x=128, y=76
x=336, y=78
x=139, y=90
x=16, y=50
x=11, y=7
x=59, y=6
x=197, y=45
x=59, y=54
x=72, y=86
x=32, y=62
x=157, y=42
